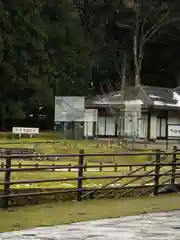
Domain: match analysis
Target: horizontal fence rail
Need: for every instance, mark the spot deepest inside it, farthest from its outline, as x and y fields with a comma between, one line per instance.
x=149, y=176
x=17, y=156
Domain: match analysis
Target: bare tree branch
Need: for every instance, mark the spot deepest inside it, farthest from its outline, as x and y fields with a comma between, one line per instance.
x=160, y=23
x=104, y=95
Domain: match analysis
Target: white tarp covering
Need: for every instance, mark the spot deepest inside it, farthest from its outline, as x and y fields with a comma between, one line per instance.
x=69, y=109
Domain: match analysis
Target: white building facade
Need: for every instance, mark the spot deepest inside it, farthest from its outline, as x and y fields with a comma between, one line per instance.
x=153, y=113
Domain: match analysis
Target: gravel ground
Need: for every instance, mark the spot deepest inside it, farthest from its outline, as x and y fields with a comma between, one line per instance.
x=155, y=226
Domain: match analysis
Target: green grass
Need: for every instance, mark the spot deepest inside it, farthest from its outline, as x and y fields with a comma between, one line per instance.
x=73, y=147
x=68, y=212
x=66, y=147
x=27, y=176
x=48, y=135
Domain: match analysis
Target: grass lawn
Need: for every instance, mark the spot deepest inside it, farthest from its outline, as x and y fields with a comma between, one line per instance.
x=68, y=212
x=63, y=147
x=26, y=176
x=42, y=144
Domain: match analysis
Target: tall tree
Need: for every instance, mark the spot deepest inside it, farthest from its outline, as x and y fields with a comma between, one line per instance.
x=129, y=25
x=42, y=54
x=24, y=60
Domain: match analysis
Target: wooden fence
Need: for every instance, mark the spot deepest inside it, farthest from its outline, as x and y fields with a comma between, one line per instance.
x=162, y=171
x=98, y=167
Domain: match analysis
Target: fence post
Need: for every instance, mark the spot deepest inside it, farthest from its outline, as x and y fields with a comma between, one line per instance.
x=80, y=175
x=53, y=165
x=69, y=169
x=7, y=179
x=85, y=167
x=100, y=167
x=174, y=165
x=130, y=168
x=115, y=167
x=157, y=170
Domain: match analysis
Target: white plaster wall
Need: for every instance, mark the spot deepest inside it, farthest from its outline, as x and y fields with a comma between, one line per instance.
x=88, y=129
x=110, y=126
x=142, y=125
x=132, y=124
x=90, y=116
x=173, y=118
x=106, y=126
x=101, y=126
x=137, y=125
x=120, y=125
x=153, y=127
x=128, y=126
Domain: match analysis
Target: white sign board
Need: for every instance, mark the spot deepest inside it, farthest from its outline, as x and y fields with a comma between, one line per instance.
x=25, y=130
x=174, y=131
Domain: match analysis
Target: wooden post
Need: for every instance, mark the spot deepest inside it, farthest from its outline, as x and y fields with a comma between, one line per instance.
x=148, y=125
x=53, y=165
x=167, y=137
x=115, y=167
x=80, y=175
x=157, y=170
x=7, y=179
x=85, y=167
x=69, y=169
x=174, y=165
x=100, y=167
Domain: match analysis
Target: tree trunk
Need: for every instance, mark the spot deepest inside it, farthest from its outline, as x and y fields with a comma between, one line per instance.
x=136, y=48
x=137, y=76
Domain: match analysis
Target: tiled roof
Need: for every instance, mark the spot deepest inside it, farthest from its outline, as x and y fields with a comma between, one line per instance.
x=144, y=95
x=163, y=96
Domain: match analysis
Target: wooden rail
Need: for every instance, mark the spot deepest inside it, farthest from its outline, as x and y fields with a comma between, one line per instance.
x=137, y=171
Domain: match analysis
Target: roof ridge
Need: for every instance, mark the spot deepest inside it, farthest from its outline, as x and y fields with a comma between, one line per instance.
x=142, y=88
x=177, y=88
x=159, y=87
